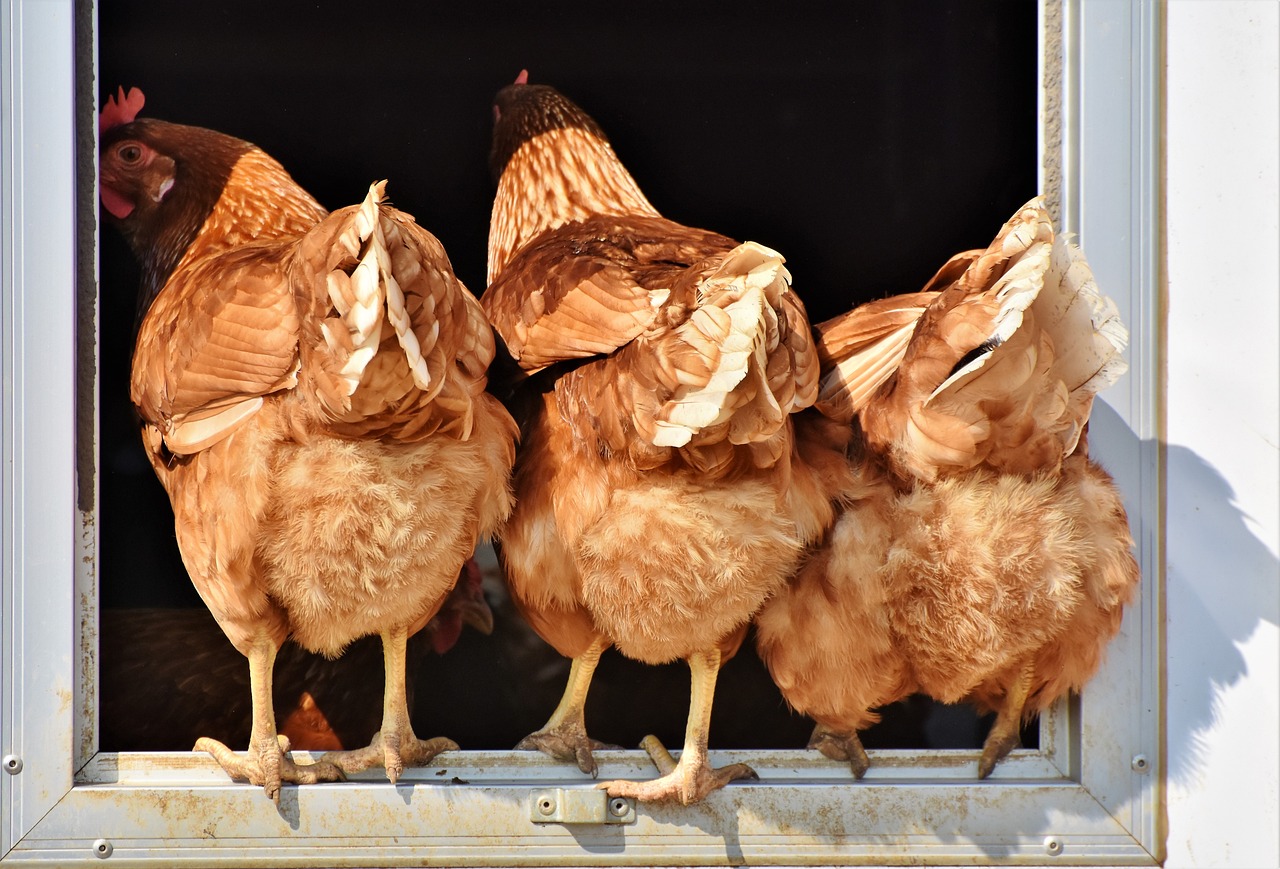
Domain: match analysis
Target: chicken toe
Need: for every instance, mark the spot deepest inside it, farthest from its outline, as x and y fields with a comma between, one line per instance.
x=1006, y=732
x=687, y=781
x=267, y=764
x=693, y=777
x=841, y=746
x=402, y=749
x=564, y=736
x=395, y=746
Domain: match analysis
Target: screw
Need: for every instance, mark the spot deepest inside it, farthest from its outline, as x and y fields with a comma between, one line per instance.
x=618, y=807
x=546, y=805
x=102, y=849
x=1052, y=846
x=1140, y=763
x=12, y=764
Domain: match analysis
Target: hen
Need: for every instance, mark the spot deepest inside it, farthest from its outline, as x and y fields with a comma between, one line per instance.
x=659, y=494
x=982, y=556
x=311, y=390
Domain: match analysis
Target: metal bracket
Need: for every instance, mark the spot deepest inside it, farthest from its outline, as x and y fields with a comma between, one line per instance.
x=579, y=806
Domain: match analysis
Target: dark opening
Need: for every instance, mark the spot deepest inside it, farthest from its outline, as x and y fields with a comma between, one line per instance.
x=866, y=147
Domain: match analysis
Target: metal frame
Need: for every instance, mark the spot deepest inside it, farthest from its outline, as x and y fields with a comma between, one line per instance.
x=1093, y=793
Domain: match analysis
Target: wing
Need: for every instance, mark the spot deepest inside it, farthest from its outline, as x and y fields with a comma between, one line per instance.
x=219, y=337
x=1002, y=367
x=583, y=290
x=700, y=342
x=392, y=344
x=723, y=367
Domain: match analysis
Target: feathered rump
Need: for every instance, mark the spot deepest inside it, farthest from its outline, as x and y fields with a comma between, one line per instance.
x=1001, y=367
x=392, y=344
x=734, y=371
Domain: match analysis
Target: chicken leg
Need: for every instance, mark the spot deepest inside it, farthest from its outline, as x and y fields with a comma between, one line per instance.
x=267, y=763
x=395, y=745
x=693, y=777
x=1006, y=732
x=564, y=736
x=841, y=746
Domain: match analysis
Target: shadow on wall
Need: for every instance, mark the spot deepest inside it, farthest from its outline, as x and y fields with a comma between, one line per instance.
x=1222, y=585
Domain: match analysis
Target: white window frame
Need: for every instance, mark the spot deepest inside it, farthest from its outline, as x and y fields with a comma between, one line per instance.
x=1092, y=794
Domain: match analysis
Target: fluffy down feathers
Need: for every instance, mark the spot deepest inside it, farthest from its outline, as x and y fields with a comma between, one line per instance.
x=981, y=556
x=311, y=389
x=660, y=494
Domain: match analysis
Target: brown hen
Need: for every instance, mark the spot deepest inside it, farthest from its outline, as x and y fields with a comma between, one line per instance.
x=982, y=556
x=311, y=389
x=660, y=495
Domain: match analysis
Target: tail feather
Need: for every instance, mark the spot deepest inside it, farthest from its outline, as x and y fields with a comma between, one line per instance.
x=738, y=334
x=1003, y=366
x=398, y=347
x=862, y=348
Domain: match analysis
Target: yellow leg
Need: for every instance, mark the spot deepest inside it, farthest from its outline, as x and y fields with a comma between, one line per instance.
x=692, y=778
x=1006, y=733
x=564, y=736
x=395, y=745
x=267, y=763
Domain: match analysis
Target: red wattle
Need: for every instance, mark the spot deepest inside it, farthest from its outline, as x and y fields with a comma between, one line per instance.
x=119, y=206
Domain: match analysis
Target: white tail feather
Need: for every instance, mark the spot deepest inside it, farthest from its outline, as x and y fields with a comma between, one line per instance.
x=754, y=278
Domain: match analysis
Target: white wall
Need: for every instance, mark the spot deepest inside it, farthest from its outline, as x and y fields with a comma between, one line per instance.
x=1223, y=474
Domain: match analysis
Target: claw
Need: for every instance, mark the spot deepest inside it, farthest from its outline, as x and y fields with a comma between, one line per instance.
x=995, y=749
x=685, y=782
x=268, y=766
x=841, y=746
x=392, y=754
x=569, y=743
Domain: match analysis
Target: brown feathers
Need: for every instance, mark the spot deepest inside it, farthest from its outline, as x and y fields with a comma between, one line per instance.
x=660, y=494
x=1001, y=367
x=980, y=554
x=312, y=395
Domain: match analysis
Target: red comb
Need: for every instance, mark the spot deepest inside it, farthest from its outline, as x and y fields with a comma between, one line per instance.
x=115, y=113
x=523, y=77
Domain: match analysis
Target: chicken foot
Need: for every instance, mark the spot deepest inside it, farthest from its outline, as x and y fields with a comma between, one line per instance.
x=693, y=777
x=267, y=763
x=841, y=746
x=564, y=736
x=1006, y=732
x=394, y=746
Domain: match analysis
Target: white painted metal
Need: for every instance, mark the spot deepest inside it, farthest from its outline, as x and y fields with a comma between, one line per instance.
x=1223, y=663
x=1081, y=800
x=37, y=448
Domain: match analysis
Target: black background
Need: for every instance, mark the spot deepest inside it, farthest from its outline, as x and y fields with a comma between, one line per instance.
x=867, y=142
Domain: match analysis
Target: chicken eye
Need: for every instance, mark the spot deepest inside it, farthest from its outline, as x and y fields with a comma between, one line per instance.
x=130, y=153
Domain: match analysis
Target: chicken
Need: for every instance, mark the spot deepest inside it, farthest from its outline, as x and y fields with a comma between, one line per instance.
x=660, y=495
x=169, y=677
x=312, y=395
x=982, y=556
